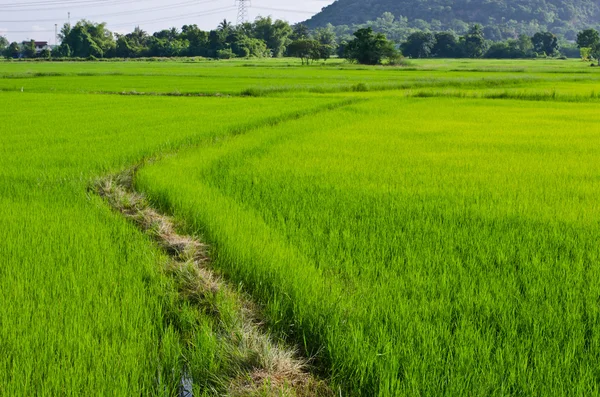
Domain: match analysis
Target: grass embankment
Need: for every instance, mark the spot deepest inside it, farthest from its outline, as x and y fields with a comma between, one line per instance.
x=85, y=305
x=446, y=249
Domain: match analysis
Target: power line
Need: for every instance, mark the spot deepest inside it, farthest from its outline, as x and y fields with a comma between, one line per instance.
x=163, y=19
x=64, y=7
x=70, y=3
x=120, y=13
x=243, y=5
x=178, y=17
x=284, y=10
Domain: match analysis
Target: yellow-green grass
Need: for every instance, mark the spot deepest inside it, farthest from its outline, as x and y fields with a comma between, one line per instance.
x=170, y=67
x=85, y=307
x=514, y=65
x=415, y=246
x=261, y=78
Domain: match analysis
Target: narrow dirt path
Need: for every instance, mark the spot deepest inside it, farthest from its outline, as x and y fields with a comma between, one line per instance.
x=275, y=370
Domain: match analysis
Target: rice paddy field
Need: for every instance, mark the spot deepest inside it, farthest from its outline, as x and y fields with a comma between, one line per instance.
x=430, y=229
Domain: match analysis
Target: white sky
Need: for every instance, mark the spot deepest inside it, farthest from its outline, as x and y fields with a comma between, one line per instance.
x=35, y=19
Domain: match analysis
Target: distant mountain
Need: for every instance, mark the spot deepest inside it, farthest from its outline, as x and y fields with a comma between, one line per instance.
x=562, y=14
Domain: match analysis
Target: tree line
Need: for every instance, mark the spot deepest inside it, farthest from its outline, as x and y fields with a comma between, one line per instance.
x=474, y=45
x=266, y=37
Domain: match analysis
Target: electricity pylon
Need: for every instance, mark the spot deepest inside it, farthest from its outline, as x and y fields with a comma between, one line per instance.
x=243, y=6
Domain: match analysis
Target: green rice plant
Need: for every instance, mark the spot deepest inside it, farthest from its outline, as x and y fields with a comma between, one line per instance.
x=230, y=78
x=414, y=246
x=86, y=306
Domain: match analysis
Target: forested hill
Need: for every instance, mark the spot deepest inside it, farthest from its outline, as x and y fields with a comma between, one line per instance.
x=564, y=14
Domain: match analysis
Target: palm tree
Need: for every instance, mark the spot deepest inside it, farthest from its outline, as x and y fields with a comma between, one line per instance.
x=173, y=33
x=139, y=36
x=225, y=25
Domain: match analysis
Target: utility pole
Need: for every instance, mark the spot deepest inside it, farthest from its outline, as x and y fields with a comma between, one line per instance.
x=243, y=6
x=56, y=34
x=69, y=19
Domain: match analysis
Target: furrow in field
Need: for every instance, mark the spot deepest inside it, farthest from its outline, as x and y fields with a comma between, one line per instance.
x=257, y=364
x=250, y=360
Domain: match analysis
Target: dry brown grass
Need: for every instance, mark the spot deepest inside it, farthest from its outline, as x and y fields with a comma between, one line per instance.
x=265, y=368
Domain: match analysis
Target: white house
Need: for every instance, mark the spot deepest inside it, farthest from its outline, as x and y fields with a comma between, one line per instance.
x=41, y=45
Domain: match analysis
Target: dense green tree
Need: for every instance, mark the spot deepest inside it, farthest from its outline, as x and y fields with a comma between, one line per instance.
x=275, y=33
x=165, y=47
x=28, y=49
x=300, y=32
x=63, y=51
x=126, y=49
x=585, y=53
x=3, y=43
x=244, y=46
x=235, y=38
x=595, y=52
x=132, y=45
x=327, y=40
x=525, y=45
x=325, y=36
x=305, y=49
x=326, y=51
x=393, y=27
x=45, y=54
x=521, y=48
x=493, y=32
x=216, y=42
x=473, y=43
x=503, y=50
x=458, y=26
x=588, y=38
x=498, y=50
x=341, y=49
x=167, y=34
x=197, y=38
x=419, y=45
x=13, y=51
x=246, y=28
x=446, y=45
x=370, y=48
x=470, y=45
x=88, y=39
x=139, y=36
x=225, y=53
x=546, y=43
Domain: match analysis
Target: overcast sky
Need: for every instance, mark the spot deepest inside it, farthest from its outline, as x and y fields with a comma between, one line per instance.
x=35, y=19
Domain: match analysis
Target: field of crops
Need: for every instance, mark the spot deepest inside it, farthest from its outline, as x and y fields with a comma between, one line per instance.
x=425, y=230
x=567, y=78
x=83, y=302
